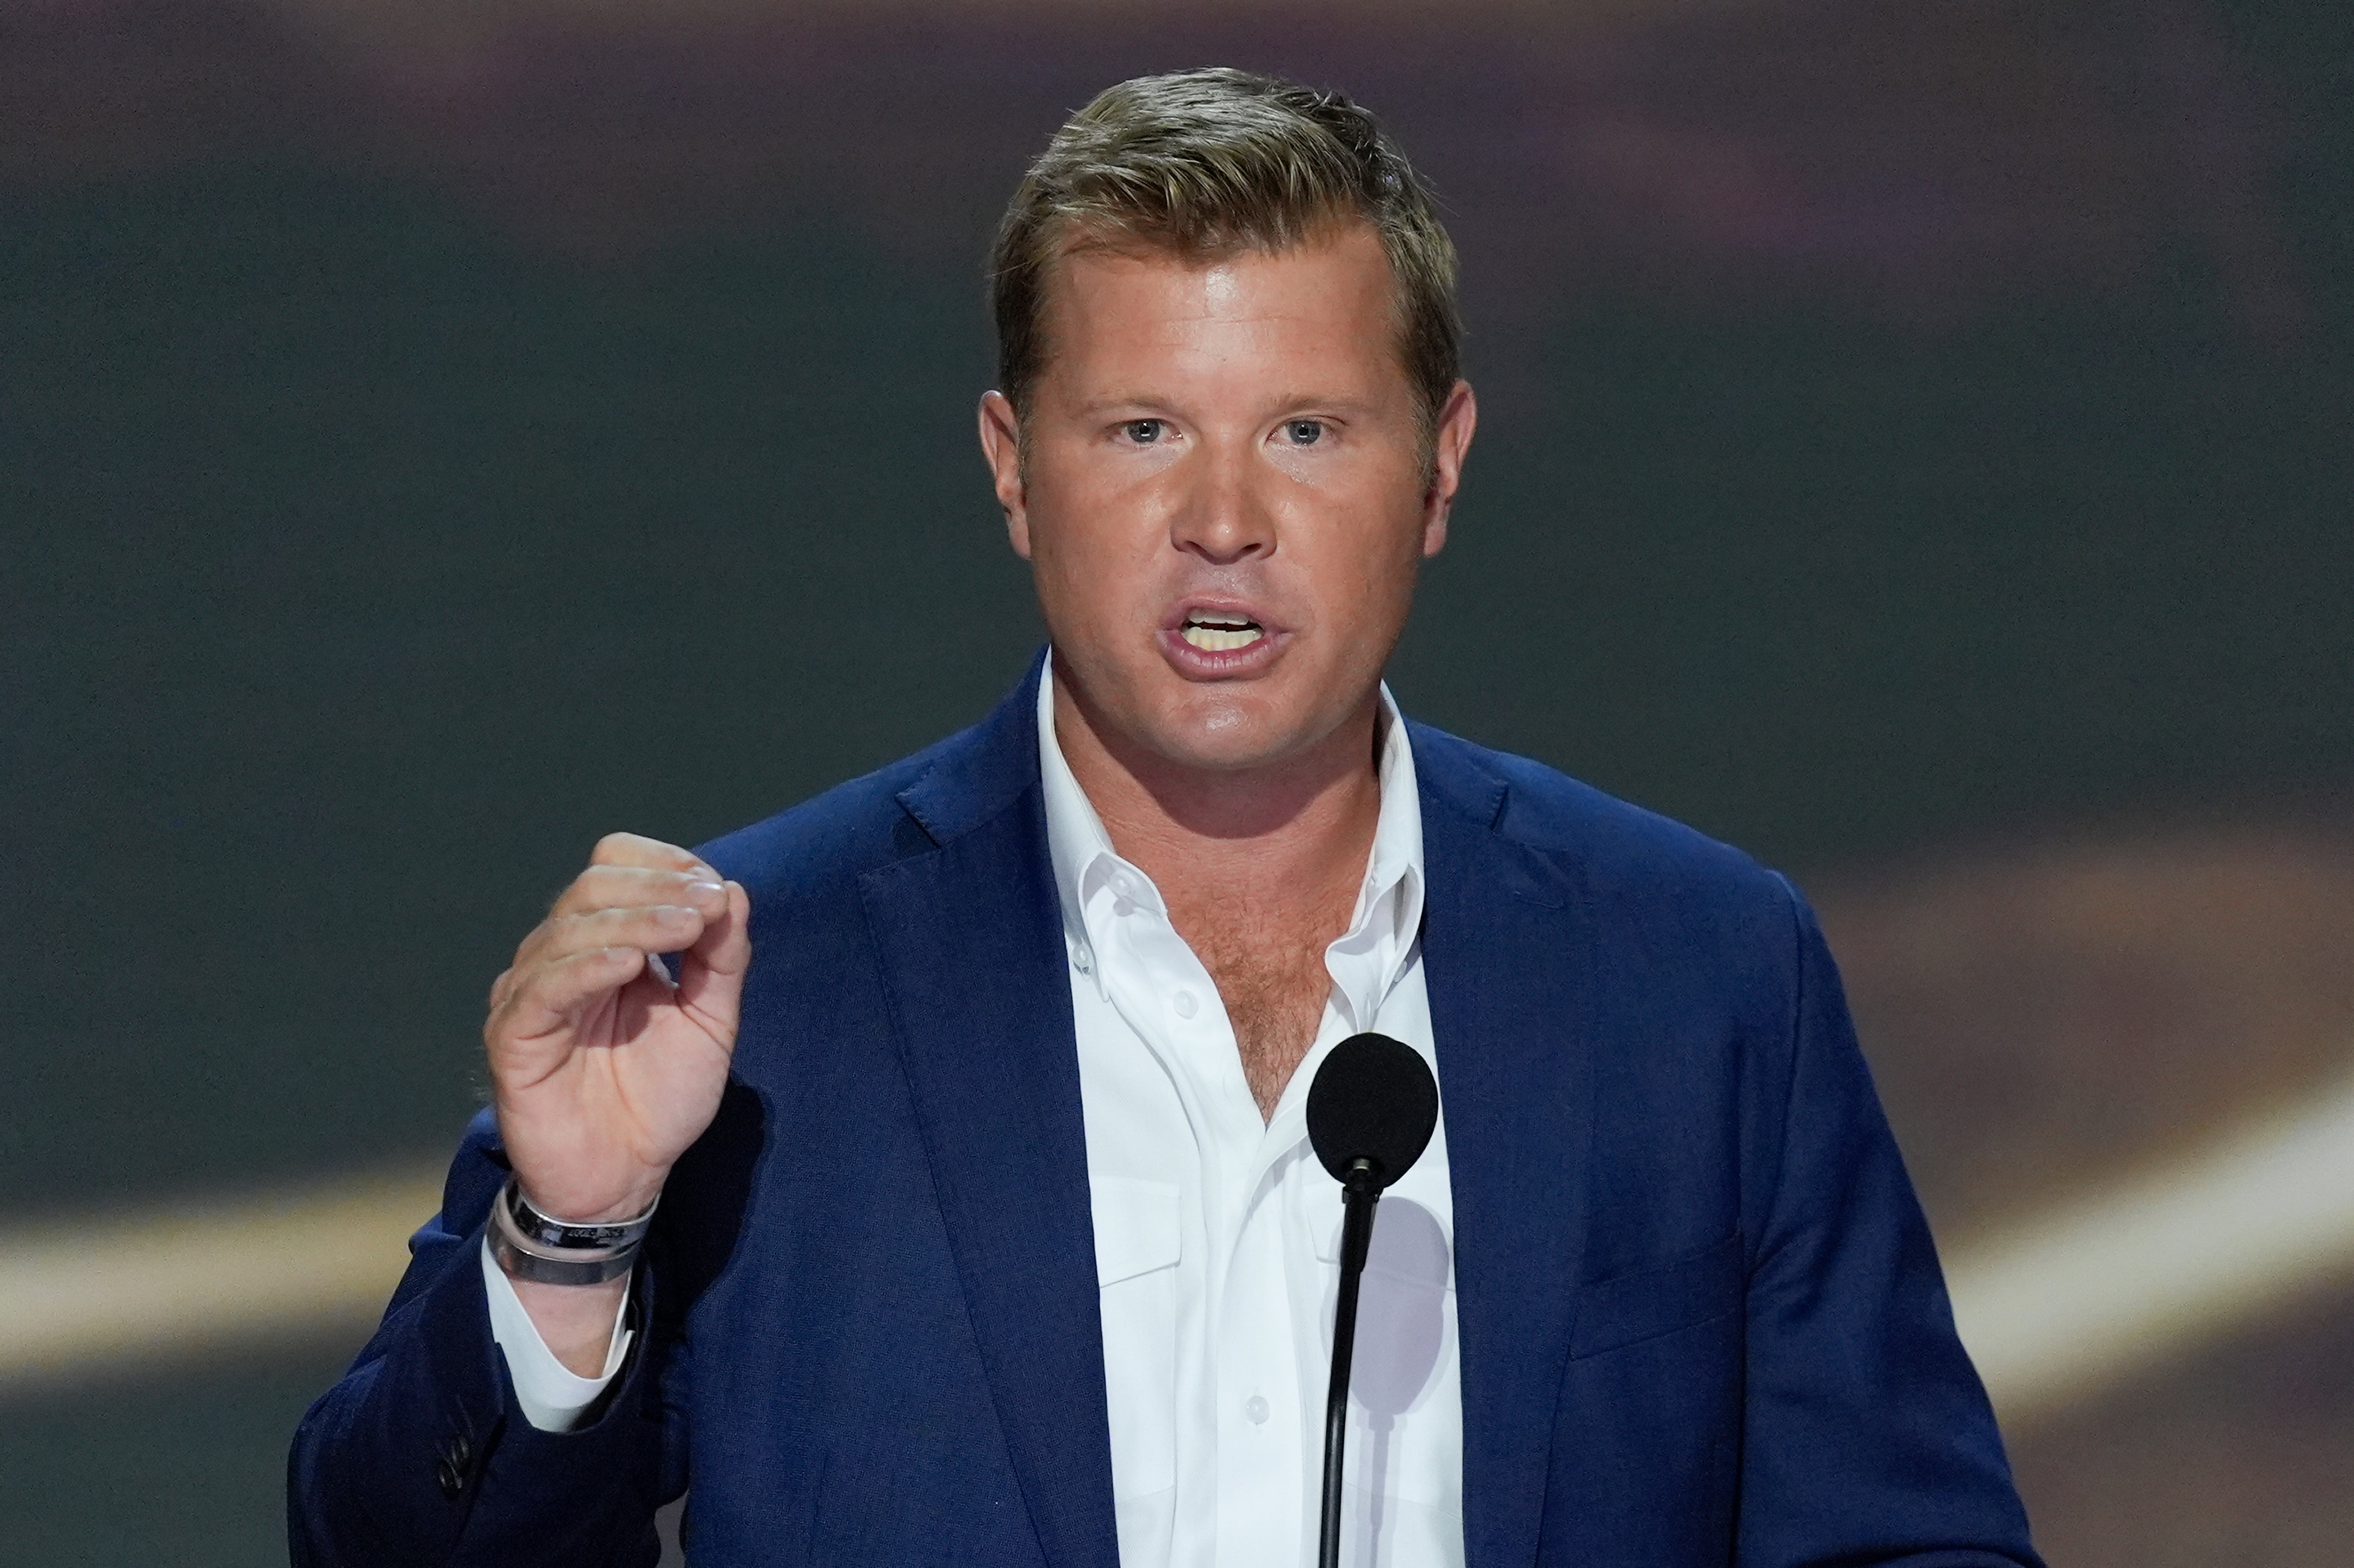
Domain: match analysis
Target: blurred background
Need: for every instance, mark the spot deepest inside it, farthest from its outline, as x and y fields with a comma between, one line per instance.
x=1915, y=448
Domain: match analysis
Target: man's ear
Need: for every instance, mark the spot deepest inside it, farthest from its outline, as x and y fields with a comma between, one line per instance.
x=1450, y=441
x=1001, y=447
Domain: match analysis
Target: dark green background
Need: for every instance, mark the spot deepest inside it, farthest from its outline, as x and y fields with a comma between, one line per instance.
x=360, y=567
x=363, y=571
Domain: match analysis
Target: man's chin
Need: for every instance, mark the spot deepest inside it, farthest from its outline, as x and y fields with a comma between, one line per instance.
x=1223, y=728
x=1226, y=736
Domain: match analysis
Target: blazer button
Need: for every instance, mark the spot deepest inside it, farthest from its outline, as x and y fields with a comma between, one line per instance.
x=450, y=1465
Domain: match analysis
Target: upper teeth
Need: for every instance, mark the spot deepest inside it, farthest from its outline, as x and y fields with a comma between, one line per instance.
x=1219, y=633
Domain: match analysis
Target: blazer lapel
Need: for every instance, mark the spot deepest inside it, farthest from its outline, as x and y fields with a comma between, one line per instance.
x=971, y=937
x=1507, y=955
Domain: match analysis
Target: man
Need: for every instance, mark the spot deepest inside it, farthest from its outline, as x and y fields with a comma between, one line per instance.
x=971, y=1094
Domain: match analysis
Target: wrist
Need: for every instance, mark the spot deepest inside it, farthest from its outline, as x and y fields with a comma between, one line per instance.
x=567, y=1206
x=531, y=1245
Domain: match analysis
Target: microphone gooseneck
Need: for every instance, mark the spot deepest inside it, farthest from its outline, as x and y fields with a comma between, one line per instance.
x=1371, y=1112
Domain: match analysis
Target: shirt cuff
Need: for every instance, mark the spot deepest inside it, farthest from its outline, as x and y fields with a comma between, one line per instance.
x=551, y=1394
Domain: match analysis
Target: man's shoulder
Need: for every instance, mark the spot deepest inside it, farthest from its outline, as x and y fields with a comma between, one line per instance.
x=904, y=809
x=831, y=838
x=1611, y=847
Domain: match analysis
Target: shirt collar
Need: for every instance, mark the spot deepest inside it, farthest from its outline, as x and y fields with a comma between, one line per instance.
x=1369, y=956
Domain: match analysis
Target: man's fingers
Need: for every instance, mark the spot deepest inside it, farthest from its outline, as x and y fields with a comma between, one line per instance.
x=546, y=996
x=614, y=886
x=650, y=855
x=649, y=929
x=638, y=898
x=711, y=972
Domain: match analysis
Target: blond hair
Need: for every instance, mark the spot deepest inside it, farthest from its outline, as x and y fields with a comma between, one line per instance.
x=1206, y=163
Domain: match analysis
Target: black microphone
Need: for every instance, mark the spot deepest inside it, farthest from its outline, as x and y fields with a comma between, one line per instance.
x=1371, y=1112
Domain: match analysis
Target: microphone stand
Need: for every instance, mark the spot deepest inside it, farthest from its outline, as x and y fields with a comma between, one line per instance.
x=1361, y=1189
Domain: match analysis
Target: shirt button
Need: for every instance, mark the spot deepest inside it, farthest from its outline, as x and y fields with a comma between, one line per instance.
x=1183, y=1002
x=1255, y=1408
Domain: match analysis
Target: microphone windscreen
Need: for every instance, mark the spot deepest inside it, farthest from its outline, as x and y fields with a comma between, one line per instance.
x=1373, y=1099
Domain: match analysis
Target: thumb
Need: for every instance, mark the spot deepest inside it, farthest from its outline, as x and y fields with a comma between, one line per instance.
x=711, y=972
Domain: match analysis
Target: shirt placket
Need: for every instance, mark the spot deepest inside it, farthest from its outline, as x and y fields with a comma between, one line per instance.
x=1263, y=1285
x=1281, y=1282
x=1169, y=1000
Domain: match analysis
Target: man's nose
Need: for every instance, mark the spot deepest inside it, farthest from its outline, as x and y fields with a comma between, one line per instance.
x=1222, y=516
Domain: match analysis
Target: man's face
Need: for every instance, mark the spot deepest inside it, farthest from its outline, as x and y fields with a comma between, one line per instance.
x=1225, y=498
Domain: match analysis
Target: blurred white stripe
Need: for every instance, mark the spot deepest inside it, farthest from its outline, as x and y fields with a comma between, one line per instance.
x=2052, y=1312
x=2103, y=1285
x=75, y=1297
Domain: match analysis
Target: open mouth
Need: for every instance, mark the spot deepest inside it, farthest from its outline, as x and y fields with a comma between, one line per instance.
x=1214, y=632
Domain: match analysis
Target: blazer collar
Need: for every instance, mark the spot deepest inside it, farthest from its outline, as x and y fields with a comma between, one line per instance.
x=977, y=776
x=970, y=934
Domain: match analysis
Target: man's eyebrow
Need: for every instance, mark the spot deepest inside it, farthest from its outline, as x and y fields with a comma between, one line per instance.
x=1305, y=401
x=1123, y=401
x=1336, y=402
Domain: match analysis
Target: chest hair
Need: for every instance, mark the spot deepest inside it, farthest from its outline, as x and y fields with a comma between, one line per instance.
x=1274, y=984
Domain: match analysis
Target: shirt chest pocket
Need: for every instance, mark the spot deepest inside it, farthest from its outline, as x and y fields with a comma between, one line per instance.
x=1137, y=1250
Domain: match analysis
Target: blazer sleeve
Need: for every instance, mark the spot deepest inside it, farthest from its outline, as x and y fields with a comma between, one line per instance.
x=1867, y=1437
x=420, y=1455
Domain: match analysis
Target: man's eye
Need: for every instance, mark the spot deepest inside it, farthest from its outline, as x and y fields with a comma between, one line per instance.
x=1304, y=432
x=1143, y=432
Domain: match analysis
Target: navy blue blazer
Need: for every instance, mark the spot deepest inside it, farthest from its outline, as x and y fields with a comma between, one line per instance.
x=1699, y=1317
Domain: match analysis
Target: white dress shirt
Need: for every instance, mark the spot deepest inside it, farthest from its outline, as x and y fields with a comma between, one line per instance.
x=1217, y=1232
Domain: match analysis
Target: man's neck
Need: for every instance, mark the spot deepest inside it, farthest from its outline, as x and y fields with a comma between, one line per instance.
x=1280, y=839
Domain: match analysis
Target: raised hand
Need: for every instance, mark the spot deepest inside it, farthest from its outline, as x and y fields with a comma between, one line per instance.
x=605, y=1069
